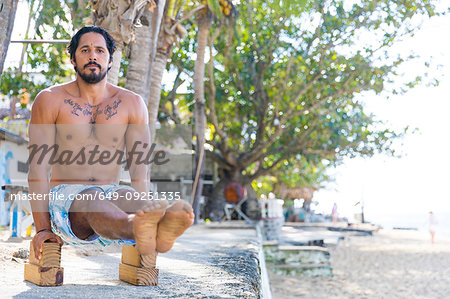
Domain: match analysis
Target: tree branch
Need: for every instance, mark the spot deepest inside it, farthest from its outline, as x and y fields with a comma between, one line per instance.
x=220, y=160
x=212, y=97
x=261, y=171
x=259, y=146
x=188, y=15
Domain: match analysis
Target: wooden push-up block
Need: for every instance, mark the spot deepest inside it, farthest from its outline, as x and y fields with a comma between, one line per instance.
x=131, y=256
x=44, y=276
x=137, y=269
x=48, y=271
x=51, y=255
x=138, y=275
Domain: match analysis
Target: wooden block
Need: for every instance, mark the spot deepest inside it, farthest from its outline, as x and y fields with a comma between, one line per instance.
x=138, y=276
x=44, y=276
x=51, y=255
x=131, y=256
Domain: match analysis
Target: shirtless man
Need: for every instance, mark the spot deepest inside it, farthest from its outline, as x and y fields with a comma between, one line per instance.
x=80, y=115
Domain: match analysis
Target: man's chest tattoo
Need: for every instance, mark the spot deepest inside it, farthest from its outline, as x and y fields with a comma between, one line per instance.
x=110, y=111
x=93, y=110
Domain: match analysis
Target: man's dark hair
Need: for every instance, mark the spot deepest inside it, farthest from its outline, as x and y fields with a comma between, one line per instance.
x=73, y=45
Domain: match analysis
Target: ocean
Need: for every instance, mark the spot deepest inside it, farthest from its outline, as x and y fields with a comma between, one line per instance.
x=411, y=220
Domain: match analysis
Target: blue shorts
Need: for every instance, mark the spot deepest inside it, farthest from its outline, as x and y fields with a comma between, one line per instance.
x=62, y=197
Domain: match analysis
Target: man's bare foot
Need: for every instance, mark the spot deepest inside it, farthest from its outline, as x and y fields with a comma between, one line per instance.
x=145, y=226
x=178, y=217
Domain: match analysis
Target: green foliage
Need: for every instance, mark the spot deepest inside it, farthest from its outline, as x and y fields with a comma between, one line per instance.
x=264, y=185
x=46, y=64
x=55, y=19
x=176, y=105
x=214, y=7
x=293, y=172
x=286, y=86
x=18, y=84
x=12, y=83
x=286, y=75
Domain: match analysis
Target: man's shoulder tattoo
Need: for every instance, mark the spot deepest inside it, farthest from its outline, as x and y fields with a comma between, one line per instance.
x=75, y=106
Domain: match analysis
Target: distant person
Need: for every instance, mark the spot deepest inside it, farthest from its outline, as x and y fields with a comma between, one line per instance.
x=291, y=215
x=432, y=224
x=289, y=210
x=302, y=215
x=334, y=213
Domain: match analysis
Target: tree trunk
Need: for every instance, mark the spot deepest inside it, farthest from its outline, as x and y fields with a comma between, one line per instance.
x=164, y=44
x=251, y=206
x=119, y=19
x=113, y=74
x=161, y=47
x=214, y=208
x=143, y=52
x=157, y=27
x=159, y=65
x=140, y=57
x=12, y=108
x=7, y=13
x=204, y=22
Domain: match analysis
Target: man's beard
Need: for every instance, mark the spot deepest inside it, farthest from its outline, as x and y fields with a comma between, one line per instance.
x=92, y=77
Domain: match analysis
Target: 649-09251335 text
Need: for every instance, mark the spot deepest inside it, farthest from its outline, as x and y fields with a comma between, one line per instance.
x=100, y=196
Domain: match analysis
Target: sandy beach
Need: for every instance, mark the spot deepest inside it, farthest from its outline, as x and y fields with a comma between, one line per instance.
x=390, y=264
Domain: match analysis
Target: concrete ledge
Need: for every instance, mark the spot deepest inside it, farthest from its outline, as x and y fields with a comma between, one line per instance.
x=302, y=248
x=212, y=263
x=298, y=260
x=363, y=228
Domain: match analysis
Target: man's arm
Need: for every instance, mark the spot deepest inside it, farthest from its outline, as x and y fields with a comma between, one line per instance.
x=42, y=134
x=138, y=141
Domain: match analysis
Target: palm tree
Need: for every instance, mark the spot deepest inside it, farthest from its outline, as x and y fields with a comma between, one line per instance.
x=119, y=19
x=7, y=14
x=148, y=84
x=167, y=35
x=141, y=55
x=218, y=8
x=156, y=37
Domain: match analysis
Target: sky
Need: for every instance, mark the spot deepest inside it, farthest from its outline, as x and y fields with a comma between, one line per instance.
x=418, y=182
x=19, y=29
x=404, y=187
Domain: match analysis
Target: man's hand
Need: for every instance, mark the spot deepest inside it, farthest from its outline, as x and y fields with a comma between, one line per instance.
x=39, y=240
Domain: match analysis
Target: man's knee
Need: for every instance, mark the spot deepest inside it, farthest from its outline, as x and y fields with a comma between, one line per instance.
x=79, y=210
x=84, y=200
x=125, y=195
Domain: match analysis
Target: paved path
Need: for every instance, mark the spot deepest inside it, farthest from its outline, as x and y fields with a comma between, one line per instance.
x=204, y=263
